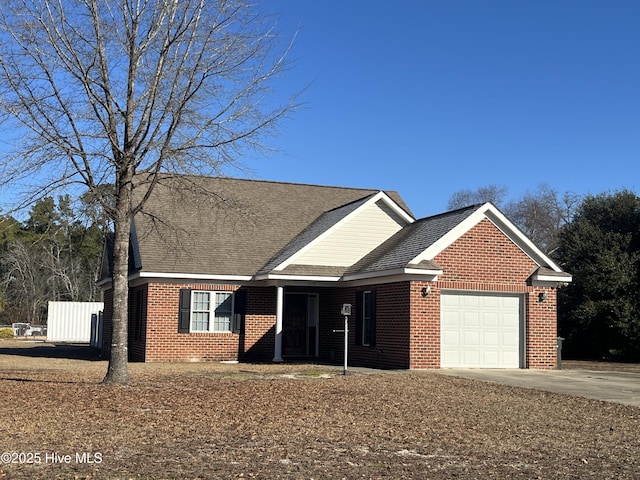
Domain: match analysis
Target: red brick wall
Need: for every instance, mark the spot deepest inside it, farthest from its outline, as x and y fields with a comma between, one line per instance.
x=542, y=332
x=392, y=327
x=164, y=343
x=258, y=341
x=425, y=326
x=485, y=259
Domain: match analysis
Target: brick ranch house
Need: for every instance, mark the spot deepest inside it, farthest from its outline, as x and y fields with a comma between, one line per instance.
x=260, y=270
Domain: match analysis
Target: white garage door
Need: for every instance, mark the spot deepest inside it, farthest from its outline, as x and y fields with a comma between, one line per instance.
x=480, y=330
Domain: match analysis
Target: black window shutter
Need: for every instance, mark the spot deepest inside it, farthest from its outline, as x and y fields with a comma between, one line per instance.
x=372, y=342
x=184, y=317
x=240, y=301
x=239, y=310
x=357, y=318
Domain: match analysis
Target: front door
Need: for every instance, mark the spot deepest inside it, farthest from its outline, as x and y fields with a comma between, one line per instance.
x=299, y=326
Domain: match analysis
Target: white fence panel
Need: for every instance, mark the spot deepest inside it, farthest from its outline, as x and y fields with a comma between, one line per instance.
x=71, y=321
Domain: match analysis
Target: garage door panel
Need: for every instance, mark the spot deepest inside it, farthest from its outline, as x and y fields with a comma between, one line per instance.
x=509, y=339
x=469, y=301
x=491, y=320
x=470, y=357
x=451, y=319
x=450, y=300
x=510, y=358
x=470, y=338
x=471, y=320
x=491, y=339
x=490, y=302
x=450, y=338
x=480, y=330
x=490, y=359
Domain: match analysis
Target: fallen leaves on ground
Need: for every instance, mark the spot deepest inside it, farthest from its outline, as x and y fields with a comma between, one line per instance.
x=208, y=420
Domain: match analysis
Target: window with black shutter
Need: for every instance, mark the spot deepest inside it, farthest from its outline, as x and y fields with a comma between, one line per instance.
x=184, y=315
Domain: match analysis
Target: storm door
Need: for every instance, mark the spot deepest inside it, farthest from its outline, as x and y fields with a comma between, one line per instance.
x=300, y=325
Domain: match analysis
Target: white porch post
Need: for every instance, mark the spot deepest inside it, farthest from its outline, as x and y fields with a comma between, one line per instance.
x=279, y=314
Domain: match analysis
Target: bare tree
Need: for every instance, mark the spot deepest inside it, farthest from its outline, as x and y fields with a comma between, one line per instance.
x=120, y=92
x=23, y=280
x=465, y=197
x=542, y=215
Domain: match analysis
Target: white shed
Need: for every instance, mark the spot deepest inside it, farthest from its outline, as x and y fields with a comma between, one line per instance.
x=71, y=321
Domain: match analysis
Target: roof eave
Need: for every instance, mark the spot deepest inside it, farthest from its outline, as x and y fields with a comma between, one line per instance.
x=428, y=274
x=190, y=276
x=296, y=278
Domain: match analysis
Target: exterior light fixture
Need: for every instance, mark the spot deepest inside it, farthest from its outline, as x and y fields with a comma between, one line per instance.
x=425, y=290
x=542, y=297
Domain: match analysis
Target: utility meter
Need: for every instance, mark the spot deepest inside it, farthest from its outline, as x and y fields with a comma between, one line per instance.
x=346, y=309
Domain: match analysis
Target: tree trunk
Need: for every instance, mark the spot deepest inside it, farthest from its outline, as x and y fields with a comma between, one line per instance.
x=118, y=370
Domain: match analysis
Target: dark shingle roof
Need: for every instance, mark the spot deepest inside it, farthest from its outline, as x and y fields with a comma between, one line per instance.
x=409, y=242
x=239, y=226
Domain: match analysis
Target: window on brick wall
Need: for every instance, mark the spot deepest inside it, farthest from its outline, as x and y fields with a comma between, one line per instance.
x=207, y=311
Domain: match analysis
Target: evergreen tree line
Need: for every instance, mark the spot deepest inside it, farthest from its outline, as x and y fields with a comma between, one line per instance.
x=53, y=255
x=595, y=238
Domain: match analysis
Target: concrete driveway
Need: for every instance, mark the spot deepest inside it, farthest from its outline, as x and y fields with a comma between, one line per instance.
x=619, y=387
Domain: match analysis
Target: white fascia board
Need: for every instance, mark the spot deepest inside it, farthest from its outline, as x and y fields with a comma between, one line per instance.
x=190, y=276
x=502, y=223
x=519, y=238
x=551, y=278
x=393, y=205
x=451, y=236
x=304, y=278
x=106, y=283
x=378, y=196
x=394, y=272
x=389, y=279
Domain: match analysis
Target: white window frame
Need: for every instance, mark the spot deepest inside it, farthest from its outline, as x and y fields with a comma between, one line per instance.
x=212, y=311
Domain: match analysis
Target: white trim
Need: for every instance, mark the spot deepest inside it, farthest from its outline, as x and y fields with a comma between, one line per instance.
x=190, y=276
x=378, y=196
x=552, y=278
x=501, y=222
x=395, y=271
x=389, y=279
x=277, y=349
x=306, y=278
x=106, y=283
x=212, y=311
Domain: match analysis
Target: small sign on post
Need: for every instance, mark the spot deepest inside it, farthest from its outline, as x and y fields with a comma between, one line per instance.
x=346, y=312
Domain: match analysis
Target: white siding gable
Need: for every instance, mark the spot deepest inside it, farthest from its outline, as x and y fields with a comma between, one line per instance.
x=350, y=240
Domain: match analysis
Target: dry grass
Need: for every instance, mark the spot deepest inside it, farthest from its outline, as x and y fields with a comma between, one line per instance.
x=211, y=420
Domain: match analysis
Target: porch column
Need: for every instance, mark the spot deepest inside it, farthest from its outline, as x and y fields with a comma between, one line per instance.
x=279, y=314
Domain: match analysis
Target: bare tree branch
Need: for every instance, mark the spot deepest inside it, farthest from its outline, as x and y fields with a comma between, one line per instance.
x=120, y=92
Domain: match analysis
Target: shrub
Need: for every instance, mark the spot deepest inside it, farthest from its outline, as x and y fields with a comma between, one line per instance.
x=6, y=332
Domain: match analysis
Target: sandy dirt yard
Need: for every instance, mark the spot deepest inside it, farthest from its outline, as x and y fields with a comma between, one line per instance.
x=302, y=421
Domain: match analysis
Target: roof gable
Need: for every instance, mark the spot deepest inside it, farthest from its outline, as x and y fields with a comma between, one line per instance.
x=414, y=248
x=489, y=211
x=401, y=250
x=340, y=237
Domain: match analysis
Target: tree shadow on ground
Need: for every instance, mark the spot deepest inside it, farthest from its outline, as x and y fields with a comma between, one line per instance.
x=69, y=351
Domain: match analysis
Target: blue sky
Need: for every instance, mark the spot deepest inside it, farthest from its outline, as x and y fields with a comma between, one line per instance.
x=430, y=97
